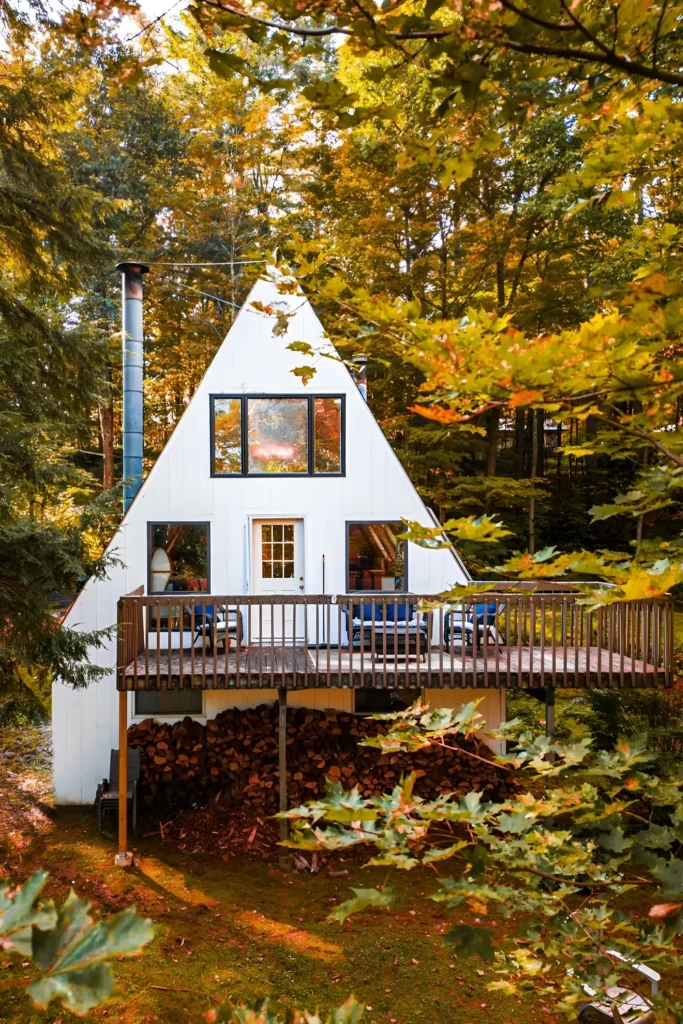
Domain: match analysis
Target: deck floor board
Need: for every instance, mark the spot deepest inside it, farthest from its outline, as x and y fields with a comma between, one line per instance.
x=299, y=667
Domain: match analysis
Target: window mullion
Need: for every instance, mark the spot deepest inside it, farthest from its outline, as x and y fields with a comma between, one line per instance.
x=245, y=436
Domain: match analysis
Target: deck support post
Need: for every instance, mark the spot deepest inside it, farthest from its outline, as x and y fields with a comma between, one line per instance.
x=284, y=859
x=123, y=858
x=550, y=712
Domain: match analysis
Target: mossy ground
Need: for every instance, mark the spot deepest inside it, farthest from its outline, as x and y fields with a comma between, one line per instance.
x=239, y=928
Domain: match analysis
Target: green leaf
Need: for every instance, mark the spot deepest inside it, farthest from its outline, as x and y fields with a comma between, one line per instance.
x=74, y=953
x=470, y=941
x=363, y=899
x=616, y=841
x=350, y=1013
x=21, y=911
x=225, y=65
x=670, y=873
x=79, y=990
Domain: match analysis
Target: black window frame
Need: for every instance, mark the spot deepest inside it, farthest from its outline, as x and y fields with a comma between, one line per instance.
x=244, y=448
x=374, y=522
x=177, y=522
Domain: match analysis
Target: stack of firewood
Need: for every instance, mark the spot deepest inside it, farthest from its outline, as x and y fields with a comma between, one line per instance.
x=236, y=755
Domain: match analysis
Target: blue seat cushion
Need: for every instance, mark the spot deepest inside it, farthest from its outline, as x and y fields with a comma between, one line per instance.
x=395, y=611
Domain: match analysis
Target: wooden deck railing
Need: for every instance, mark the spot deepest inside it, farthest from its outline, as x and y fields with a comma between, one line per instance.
x=512, y=635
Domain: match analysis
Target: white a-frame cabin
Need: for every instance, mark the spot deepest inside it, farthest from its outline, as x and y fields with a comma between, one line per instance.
x=260, y=560
x=267, y=487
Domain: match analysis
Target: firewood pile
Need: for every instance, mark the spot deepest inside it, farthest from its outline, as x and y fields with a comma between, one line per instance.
x=233, y=759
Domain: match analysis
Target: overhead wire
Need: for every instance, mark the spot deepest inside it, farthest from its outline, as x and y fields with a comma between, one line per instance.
x=226, y=263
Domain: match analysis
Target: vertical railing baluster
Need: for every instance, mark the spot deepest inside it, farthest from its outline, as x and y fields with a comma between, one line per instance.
x=621, y=641
x=328, y=609
x=668, y=641
x=541, y=639
x=193, y=601
x=485, y=643
x=146, y=623
x=553, y=639
x=635, y=639
x=496, y=638
x=463, y=679
x=451, y=643
x=169, y=653
x=520, y=615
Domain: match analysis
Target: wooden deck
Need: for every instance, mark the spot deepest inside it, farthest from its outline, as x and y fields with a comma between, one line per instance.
x=300, y=668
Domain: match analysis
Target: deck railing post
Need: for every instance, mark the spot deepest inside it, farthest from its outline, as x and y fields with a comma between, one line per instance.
x=123, y=858
x=284, y=858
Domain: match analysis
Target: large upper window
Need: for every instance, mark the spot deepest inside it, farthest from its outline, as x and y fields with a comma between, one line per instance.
x=178, y=557
x=376, y=559
x=256, y=435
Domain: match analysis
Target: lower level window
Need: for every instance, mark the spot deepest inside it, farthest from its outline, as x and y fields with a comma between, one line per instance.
x=376, y=558
x=371, y=702
x=154, y=703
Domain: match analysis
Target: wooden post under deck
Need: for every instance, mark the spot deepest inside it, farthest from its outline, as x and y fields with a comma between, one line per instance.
x=550, y=713
x=550, y=717
x=284, y=858
x=123, y=857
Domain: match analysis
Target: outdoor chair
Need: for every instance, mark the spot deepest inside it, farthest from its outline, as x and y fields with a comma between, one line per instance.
x=632, y=1007
x=391, y=624
x=224, y=625
x=107, y=797
x=460, y=625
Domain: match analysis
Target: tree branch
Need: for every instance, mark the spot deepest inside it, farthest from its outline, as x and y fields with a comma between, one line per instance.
x=657, y=31
x=528, y=16
x=587, y=32
x=569, y=53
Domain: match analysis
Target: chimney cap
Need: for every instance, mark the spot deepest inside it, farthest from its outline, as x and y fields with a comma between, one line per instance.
x=125, y=267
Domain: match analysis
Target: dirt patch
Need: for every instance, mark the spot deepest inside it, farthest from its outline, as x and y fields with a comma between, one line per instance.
x=26, y=801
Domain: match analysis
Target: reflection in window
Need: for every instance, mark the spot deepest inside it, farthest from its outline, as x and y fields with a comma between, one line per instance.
x=178, y=558
x=277, y=435
x=255, y=435
x=227, y=435
x=327, y=433
x=168, y=702
x=376, y=559
x=277, y=551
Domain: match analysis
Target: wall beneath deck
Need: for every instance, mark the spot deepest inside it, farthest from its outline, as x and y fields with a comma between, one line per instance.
x=180, y=488
x=492, y=706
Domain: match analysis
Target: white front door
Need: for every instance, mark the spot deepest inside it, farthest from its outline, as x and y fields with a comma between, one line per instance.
x=278, y=569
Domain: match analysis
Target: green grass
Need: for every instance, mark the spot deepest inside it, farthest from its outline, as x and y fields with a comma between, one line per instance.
x=244, y=928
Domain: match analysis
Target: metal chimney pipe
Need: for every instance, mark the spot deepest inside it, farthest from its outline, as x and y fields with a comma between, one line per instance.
x=360, y=374
x=131, y=303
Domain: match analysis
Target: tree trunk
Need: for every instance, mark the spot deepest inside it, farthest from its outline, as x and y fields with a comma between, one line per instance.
x=492, y=430
x=532, y=500
x=106, y=413
x=519, y=442
x=540, y=450
x=500, y=285
x=591, y=462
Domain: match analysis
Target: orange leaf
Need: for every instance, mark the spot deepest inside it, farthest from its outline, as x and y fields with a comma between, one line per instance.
x=664, y=909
